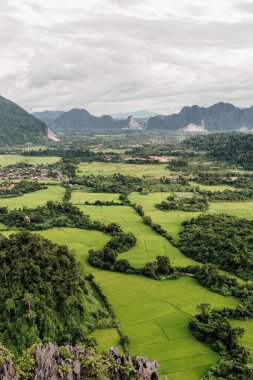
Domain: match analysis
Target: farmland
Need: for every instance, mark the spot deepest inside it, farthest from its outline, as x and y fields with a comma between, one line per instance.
x=37, y=198
x=135, y=170
x=152, y=313
x=12, y=159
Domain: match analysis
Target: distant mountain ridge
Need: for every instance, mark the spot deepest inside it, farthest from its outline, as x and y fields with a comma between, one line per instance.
x=219, y=117
x=78, y=120
x=18, y=126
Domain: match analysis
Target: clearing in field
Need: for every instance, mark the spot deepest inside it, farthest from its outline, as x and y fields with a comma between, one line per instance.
x=11, y=159
x=134, y=170
x=34, y=199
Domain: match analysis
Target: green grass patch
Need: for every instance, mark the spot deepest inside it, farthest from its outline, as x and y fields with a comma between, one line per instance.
x=80, y=197
x=149, y=244
x=11, y=159
x=135, y=170
x=171, y=221
x=154, y=314
x=212, y=187
x=247, y=338
x=37, y=198
x=106, y=338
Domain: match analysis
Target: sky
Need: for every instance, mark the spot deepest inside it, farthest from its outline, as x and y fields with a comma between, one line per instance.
x=113, y=56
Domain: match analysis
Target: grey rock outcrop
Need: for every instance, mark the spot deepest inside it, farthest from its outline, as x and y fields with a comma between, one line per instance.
x=50, y=364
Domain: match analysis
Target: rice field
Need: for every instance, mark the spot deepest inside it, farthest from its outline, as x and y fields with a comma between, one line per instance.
x=149, y=244
x=104, y=168
x=34, y=199
x=11, y=159
x=154, y=315
x=212, y=187
x=80, y=197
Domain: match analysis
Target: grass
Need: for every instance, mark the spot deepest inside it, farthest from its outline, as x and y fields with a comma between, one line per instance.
x=106, y=338
x=239, y=209
x=247, y=338
x=79, y=240
x=104, y=168
x=149, y=243
x=79, y=197
x=154, y=314
x=171, y=221
x=11, y=159
x=34, y=199
x=212, y=187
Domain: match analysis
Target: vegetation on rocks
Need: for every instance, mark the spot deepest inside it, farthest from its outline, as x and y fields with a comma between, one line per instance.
x=44, y=294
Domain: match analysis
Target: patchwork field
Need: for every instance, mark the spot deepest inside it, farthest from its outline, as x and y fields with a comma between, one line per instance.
x=149, y=243
x=34, y=199
x=153, y=314
x=171, y=221
x=104, y=168
x=11, y=159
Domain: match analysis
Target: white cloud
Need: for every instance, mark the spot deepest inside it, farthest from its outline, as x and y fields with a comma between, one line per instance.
x=114, y=56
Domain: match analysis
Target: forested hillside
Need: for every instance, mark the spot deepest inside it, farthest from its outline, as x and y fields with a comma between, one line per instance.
x=18, y=126
x=44, y=294
x=235, y=148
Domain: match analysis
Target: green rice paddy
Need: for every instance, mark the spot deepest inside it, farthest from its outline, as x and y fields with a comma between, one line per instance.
x=212, y=187
x=11, y=159
x=149, y=243
x=153, y=314
x=34, y=199
x=80, y=197
x=104, y=168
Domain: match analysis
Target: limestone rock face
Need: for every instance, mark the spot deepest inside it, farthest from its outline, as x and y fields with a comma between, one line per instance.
x=7, y=371
x=51, y=365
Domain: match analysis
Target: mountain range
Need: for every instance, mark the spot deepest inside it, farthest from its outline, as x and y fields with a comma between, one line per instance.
x=216, y=118
x=19, y=127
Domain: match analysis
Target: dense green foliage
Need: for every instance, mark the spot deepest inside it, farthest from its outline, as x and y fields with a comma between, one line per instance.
x=19, y=127
x=212, y=328
x=178, y=165
x=184, y=204
x=236, y=148
x=220, y=239
x=53, y=214
x=44, y=294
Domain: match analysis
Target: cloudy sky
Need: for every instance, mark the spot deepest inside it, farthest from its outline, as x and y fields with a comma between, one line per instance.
x=113, y=56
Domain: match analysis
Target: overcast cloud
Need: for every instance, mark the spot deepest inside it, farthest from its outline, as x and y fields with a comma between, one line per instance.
x=111, y=56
